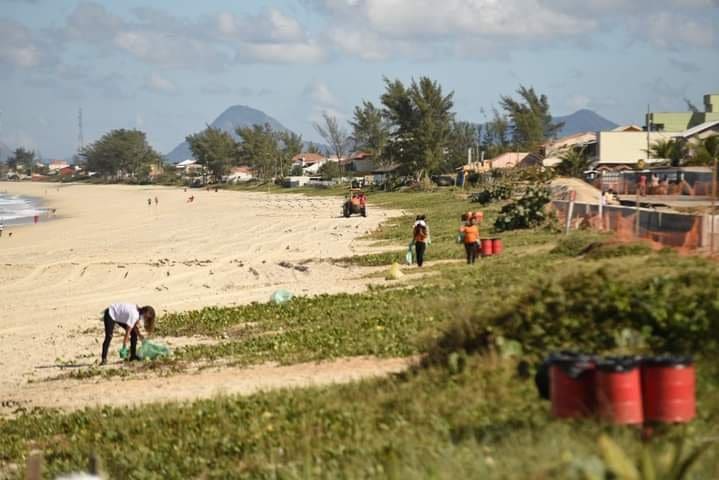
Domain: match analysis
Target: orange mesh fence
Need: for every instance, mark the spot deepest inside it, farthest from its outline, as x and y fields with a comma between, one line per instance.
x=677, y=230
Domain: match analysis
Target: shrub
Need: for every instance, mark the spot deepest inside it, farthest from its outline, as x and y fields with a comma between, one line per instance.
x=676, y=312
x=527, y=212
x=492, y=193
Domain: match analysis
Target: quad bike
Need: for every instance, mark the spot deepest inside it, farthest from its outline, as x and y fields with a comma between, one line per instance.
x=356, y=203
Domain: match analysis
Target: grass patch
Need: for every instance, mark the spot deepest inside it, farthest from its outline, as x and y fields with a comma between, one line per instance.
x=480, y=422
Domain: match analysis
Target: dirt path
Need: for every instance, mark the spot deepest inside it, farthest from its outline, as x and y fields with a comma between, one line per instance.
x=207, y=383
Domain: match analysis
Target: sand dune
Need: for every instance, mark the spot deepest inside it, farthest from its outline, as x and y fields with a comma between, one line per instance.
x=108, y=245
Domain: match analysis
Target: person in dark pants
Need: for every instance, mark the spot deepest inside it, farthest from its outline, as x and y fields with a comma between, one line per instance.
x=470, y=235
x=128, y=316
x=420, y=235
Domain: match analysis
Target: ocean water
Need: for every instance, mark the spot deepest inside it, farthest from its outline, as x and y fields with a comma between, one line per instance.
x=16, y=210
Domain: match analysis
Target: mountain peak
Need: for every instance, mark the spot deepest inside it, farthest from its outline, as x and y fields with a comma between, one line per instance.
x=234, y=117
x=583, y=120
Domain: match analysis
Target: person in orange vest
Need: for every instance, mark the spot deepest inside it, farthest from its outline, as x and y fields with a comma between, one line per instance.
x=470, y=236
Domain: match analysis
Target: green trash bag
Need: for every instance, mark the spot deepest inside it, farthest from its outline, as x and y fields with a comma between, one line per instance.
x=124, y=352
x=150, y=350
x=281, y=296
x=408, y=257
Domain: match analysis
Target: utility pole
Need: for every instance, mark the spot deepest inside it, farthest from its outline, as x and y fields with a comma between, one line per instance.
x=80, y=136
x=713, y=212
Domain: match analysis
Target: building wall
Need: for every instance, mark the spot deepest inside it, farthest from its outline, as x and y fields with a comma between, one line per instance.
x=711, y=103
x=627, y=147
x=680, y=121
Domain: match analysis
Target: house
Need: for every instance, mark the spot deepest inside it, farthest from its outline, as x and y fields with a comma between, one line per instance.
x=67, y=171
x=381, y=175
x=628, y=128
x=583, y=141
x=506, y=160
x=701, y=131
x=625, y=149
x=681, y=121
x=187, y=167
x=359, y=162
x=307, y=159
x=242, y=173
x=56, y=165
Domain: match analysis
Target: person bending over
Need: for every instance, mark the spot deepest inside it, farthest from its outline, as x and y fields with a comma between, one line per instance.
x=127, y=316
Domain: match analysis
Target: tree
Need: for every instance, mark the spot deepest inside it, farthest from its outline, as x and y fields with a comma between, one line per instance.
x=259, y=148
x=23, y=159
x=666, y=149
x=120, y=152
x=496, y=135
x=314, y=148
x=214, y=149
x=370, y=131
x=420, y=118
x=531, y=120
x=704, y=152
x=291, y=145
x=463, y=137
x=332, y=133
x=330, y=170
x=573, y=163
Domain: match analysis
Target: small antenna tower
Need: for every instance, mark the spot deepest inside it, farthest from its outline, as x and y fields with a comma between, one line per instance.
x=80, y=137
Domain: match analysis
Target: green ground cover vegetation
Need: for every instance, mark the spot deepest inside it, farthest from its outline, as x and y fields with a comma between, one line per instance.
x=466, y=411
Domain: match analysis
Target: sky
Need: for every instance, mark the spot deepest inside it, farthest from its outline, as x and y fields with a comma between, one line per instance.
x=169, y=67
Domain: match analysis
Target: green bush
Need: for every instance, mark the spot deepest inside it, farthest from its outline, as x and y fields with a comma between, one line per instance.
x=674, y=312
x=492, y=193
x=527, y=212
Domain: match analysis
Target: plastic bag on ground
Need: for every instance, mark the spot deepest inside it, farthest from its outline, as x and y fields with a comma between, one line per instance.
x=124, y=352
x=150, y=350
x=408, y=257
x=281, y=296
x=394, y=272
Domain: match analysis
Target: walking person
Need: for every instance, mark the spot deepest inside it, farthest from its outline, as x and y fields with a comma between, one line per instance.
x=127, y=316
x=470, y=236
x=420, y=238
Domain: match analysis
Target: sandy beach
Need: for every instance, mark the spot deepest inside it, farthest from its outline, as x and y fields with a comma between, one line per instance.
x=106, y=245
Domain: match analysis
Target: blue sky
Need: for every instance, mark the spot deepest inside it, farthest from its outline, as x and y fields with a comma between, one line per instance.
x=170, y=67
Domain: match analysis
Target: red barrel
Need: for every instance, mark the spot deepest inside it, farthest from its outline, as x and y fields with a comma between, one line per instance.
x=487, y=247
x=571, y=388
x=668, y=388
x=497, y=246
x=619, y=391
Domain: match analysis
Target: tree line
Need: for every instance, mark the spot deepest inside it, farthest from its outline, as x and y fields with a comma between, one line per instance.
x=413, y=126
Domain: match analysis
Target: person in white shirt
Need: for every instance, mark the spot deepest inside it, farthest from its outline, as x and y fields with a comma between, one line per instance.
x=128, y=316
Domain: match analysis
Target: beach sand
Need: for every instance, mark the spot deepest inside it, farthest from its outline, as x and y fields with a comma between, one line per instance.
x=107, y=245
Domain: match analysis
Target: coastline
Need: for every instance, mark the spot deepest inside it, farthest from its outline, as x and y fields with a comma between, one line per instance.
x=35, y=205
x=222, y=249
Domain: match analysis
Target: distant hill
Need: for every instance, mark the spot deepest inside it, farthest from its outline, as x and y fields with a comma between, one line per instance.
x=232, y=118
x=583, y=121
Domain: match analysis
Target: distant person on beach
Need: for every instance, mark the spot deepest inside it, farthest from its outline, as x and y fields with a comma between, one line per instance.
x=149, y=202
x=157, y=202
x=2, y=227
x=191, y=199
x=127, y=316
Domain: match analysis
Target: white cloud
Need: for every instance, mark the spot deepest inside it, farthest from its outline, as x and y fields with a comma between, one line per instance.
x=18, y=47
x=673, y=31
x=157, y=83
x=380, y=29
x=322, y=100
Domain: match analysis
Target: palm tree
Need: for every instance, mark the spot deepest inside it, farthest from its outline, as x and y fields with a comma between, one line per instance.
x=705, y=152
x=666, y=149
x=573, y=163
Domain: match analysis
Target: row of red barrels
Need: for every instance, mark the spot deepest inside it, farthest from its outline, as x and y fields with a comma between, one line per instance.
x=622, y=390
x=491, y=246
